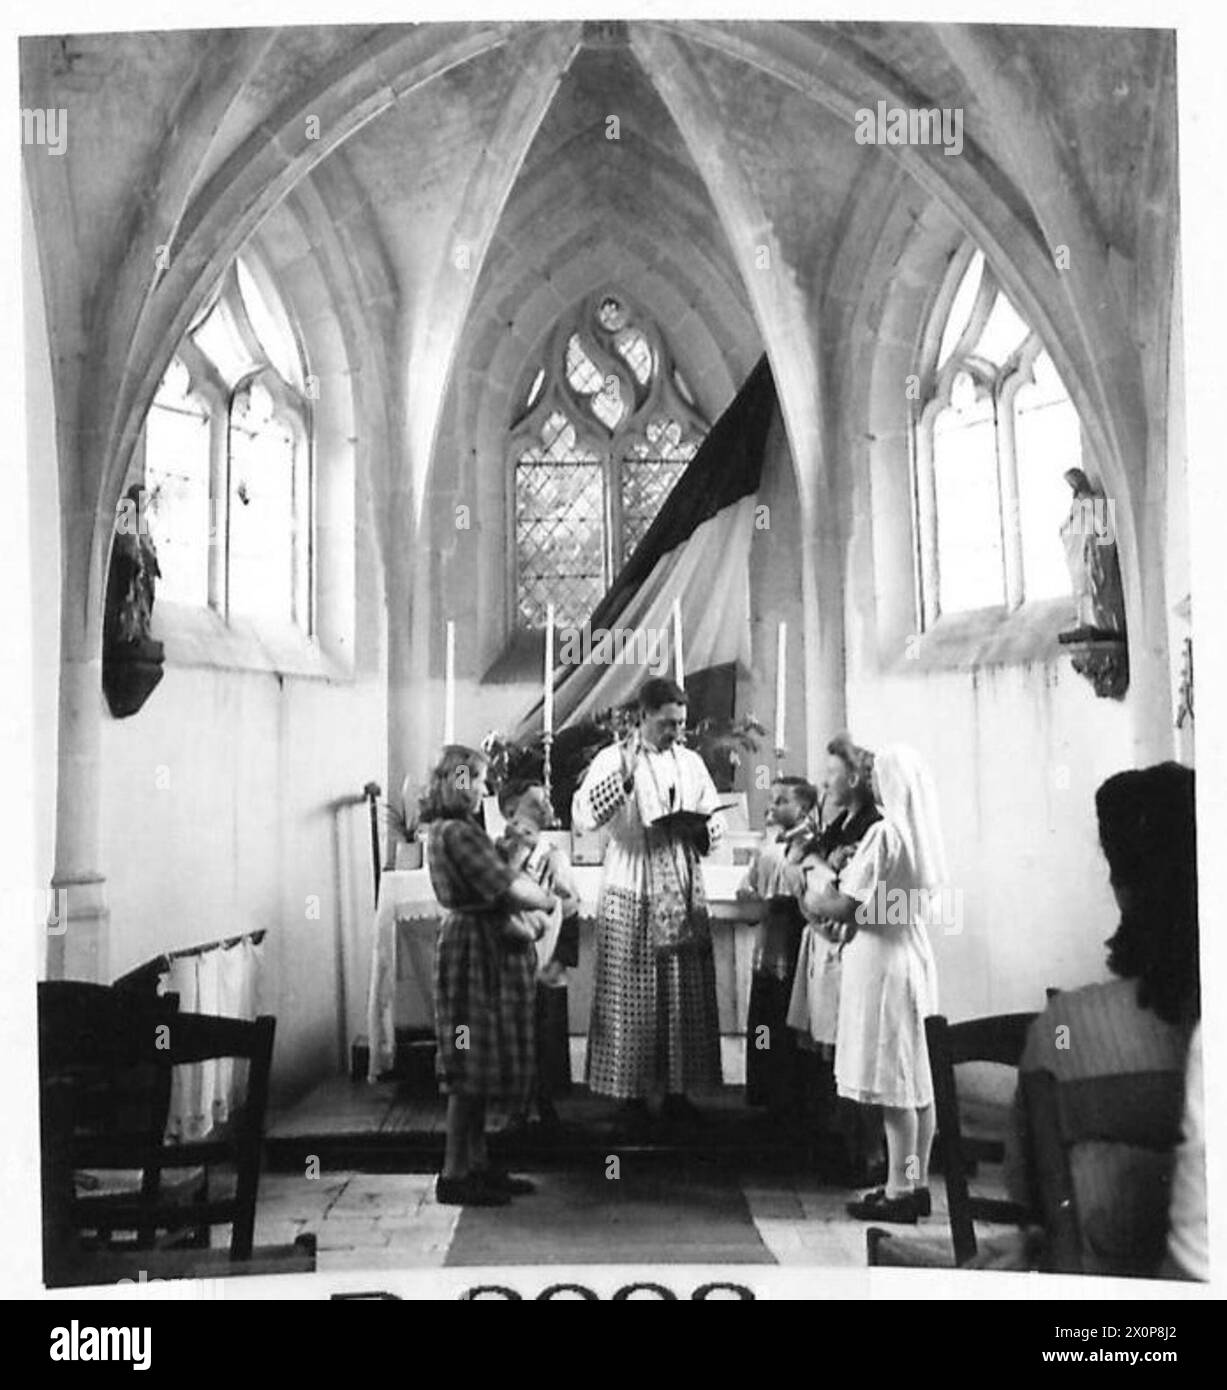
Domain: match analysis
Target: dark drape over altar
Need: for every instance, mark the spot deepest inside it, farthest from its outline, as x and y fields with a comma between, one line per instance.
x=696, y=553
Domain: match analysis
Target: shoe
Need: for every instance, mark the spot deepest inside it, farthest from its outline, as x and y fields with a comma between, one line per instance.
x=924, y=1203
x=498, y=1180
x=877, y=1206
x=547, y=1115
x=468, y=1191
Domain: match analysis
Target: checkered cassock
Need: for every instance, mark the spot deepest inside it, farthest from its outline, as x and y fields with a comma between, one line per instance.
x=485, y=1046
x=654, y=1020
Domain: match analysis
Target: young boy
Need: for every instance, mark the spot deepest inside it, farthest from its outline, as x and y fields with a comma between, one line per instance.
x=527, y=811
x=774, y=878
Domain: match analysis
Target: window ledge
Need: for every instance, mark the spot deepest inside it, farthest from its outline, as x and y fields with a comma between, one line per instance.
x=522, y=659
x=195, y=636
x=989, y=637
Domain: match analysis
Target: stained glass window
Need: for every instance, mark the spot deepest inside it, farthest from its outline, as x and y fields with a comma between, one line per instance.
x=650, y=468
x=605, y=432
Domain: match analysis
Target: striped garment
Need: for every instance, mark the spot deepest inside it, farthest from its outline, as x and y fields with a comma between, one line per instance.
x=1121, y=1191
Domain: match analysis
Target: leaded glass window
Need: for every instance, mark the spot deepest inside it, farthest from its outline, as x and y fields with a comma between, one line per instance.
x=178, y=459
x=605, y=428
x=228, y=458
x=995, y=433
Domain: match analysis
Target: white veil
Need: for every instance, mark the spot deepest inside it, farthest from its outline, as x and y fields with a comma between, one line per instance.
x=909, y=803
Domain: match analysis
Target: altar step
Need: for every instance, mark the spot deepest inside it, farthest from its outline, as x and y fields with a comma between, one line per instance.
x=390, y=1126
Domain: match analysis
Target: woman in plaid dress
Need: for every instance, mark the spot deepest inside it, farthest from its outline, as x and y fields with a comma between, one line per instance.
x=485, y=1048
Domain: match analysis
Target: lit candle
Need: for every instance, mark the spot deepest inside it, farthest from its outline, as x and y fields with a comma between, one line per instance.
x=449, y=687
x=549, y=668
x=680, y=670
x=781, y=682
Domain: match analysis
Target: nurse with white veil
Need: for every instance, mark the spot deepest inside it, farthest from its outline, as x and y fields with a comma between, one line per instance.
x=885, y=897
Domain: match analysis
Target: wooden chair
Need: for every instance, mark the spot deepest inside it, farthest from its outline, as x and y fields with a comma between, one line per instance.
x=82, y=1034
x=1141, y=1110
x=107, y=1060
x=1000, y=1039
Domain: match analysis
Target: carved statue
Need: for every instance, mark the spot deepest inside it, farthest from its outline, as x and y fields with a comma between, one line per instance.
x=1089, y=537
x=131, y=657
x=134, y=567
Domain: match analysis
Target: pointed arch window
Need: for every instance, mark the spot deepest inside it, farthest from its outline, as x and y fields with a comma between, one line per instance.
x=994, y=432
x=228, y=459
x=605, y=427
x=178, y=467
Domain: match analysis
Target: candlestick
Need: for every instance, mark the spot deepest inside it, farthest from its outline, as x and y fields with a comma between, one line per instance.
x=680, y=670
x=547, y=742
x=781, y=686
x=549, y=670
x=449, y=686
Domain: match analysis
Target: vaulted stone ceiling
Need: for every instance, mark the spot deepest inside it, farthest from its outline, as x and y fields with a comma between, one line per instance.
x=144, y=93
x=495, y=133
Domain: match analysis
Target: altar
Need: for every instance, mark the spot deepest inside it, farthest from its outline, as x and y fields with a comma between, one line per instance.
x=406, y=923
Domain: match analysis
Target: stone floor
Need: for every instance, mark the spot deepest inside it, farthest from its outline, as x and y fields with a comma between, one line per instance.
x=392, y=1221
x=365, y=1218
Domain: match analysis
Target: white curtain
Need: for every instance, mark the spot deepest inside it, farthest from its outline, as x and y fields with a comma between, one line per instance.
x=224, y=981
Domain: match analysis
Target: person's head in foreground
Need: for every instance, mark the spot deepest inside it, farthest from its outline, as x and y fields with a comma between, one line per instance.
x=792, y=799
x=662, y=712
x=457, y=784
x=1147, y=829
x=847, y=776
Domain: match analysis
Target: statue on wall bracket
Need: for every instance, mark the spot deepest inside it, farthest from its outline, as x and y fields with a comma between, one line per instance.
x=131, y=658
x=1097, y=643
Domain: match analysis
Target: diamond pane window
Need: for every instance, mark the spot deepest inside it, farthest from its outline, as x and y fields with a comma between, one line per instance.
x=634, y=348
x=582, y=375
x=560, y=513
x=612, y=314
x=605, y=435
x=607, y=404
x=650, y=470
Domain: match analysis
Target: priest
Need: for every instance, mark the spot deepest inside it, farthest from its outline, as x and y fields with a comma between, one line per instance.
x=654, y=1028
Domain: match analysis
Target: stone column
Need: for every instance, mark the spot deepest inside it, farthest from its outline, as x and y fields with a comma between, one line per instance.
x=78, y=944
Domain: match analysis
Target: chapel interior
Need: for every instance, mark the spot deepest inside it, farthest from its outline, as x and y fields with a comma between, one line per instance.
x=329, y=296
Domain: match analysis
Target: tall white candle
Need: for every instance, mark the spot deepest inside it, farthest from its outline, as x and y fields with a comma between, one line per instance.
x=549, y=668
x=680, y=669
x=449, y=686
x=781, y=683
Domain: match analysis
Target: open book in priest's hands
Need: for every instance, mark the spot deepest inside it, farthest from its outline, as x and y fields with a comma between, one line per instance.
x=688, y=823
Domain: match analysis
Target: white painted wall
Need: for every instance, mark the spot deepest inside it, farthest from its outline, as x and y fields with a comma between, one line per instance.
x=1017, y=753
x=242, y=833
